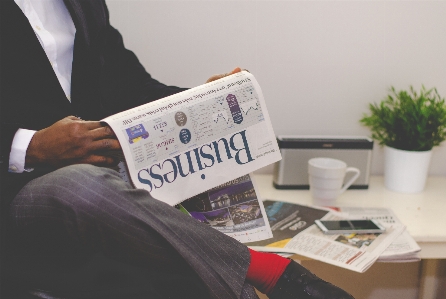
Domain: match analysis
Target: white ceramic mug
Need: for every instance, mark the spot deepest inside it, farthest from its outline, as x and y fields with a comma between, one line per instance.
x=326, y=177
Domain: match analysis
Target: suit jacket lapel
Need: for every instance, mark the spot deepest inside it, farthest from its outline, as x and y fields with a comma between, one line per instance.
x=80, y=55
x=89, y=17
x=79, y=19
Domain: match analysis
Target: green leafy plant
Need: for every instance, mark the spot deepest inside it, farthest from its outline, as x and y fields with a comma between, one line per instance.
x=408, y=120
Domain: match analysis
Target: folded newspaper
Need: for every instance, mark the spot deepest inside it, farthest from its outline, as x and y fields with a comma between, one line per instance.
x=188, y=143
x=294, y=231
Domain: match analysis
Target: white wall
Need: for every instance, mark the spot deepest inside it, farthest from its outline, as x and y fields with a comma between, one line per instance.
x=334, y=57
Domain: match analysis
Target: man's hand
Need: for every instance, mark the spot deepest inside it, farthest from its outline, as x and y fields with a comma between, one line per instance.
x=219, y=76
x=72, y=141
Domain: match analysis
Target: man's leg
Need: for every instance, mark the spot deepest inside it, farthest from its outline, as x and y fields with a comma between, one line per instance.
x=79, y=210
x=82, y=209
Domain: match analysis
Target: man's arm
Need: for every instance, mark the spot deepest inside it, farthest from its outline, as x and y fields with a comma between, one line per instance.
x=73, y=141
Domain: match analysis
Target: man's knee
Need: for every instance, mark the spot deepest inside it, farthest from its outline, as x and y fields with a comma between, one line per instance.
x=83, y=174
x=74, y=185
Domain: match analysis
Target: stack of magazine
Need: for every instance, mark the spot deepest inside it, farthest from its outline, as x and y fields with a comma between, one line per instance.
x=236, y=211
x=294, y=231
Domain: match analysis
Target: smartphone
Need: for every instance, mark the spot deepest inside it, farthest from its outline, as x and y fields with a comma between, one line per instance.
x=335, y=227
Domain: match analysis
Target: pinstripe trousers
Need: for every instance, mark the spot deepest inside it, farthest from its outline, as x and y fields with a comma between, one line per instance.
x=61, y=218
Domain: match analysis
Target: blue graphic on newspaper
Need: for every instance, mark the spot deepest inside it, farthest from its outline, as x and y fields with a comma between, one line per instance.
x=137, y=133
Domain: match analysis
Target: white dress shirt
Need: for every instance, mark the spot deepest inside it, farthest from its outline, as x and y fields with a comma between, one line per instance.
x=55, y=30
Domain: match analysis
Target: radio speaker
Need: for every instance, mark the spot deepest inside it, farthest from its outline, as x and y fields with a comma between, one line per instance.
x=292, y=171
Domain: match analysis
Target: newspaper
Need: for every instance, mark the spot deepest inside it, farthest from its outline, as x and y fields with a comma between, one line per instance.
x=187, y=143
x=355, y=252
x=403, y=249
x=198, y=147
x=232, y=208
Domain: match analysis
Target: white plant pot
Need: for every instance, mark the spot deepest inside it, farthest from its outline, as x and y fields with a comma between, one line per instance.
x=405, y=171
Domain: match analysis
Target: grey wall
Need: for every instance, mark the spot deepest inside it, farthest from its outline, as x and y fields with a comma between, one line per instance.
x=319, y=63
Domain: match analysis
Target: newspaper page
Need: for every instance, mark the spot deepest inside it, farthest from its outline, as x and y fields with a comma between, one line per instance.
x=187, y=143
x=403, y=249
x=356, y=252
x=233, y=208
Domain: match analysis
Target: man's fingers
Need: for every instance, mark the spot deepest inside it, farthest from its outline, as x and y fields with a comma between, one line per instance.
x=219, y=76
x=99, y=160
x=102, y=132
x=216, y=77
x=106, y=144
x=90, y=125
x=236, y=70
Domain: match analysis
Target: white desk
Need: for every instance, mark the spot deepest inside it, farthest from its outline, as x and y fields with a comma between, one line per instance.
x=424, y=215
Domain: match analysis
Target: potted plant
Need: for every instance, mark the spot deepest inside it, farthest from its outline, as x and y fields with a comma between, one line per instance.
x=409, y=124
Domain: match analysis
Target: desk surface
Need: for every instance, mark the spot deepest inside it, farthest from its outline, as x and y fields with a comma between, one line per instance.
x=424, y=214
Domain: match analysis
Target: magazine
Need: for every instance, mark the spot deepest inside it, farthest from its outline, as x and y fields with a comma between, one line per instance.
x=233, y=208
x=286, y=221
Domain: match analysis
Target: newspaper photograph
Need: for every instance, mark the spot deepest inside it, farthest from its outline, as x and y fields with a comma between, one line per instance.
x=187, y=143
x=356, y=252
x=232, y=208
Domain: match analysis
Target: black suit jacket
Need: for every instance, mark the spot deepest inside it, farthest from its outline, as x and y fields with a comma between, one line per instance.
x=106, y=78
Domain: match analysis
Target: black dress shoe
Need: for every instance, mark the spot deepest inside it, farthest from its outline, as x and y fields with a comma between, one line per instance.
x=297, y=282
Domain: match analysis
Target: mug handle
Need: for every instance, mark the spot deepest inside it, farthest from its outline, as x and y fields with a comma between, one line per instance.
x=352, y=180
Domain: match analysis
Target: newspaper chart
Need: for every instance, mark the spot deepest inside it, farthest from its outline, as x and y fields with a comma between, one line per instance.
x=187, y=143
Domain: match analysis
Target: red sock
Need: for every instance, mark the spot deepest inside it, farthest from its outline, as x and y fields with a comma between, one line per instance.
x=265, y=270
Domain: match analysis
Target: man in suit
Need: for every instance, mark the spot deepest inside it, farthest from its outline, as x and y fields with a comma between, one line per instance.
x=63, y=68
